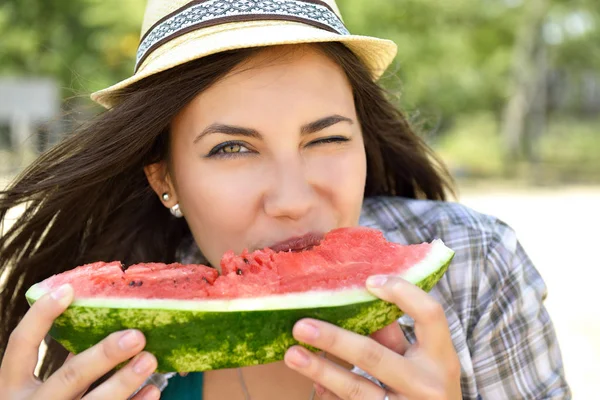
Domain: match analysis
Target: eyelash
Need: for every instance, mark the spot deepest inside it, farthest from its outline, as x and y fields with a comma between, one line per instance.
x=216, y=151
x=330, y=139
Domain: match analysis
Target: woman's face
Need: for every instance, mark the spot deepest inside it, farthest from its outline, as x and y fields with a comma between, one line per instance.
x=271, y=152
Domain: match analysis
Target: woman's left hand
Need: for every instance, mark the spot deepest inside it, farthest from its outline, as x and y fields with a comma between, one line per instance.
x=428, y=369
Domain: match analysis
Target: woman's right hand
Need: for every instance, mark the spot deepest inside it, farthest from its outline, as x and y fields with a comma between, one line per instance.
x=71, y=381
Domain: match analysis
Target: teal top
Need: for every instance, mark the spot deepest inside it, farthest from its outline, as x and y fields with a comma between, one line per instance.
x=184, y=388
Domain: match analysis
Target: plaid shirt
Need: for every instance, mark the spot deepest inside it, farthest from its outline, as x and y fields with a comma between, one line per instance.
x=492, y=296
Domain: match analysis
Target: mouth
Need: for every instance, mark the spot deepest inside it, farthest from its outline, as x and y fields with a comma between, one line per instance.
x=298, y=243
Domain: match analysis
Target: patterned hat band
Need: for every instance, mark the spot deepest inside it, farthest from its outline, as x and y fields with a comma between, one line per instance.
x=204, y=13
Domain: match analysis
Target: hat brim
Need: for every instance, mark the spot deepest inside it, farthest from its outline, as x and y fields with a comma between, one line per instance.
x=377, y=54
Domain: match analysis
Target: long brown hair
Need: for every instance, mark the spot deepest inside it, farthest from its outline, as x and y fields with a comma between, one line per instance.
x=88, y=198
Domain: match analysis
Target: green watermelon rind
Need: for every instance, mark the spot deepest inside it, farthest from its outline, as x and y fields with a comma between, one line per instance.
x=207, y=335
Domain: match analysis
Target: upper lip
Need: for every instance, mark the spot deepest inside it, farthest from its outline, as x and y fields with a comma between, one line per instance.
x=298, y=243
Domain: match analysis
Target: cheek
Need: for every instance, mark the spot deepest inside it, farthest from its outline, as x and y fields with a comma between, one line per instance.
x=344, y=170
x=219, y=200
x=220, y=204
x=340, y=178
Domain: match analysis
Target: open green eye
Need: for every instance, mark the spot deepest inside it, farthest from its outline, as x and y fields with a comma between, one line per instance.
x=232, y=148
x=227, y=149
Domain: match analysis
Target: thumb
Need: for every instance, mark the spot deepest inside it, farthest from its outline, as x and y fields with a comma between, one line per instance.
x=392, y=337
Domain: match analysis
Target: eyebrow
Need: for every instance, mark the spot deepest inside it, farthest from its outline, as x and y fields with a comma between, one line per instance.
x=307, y=129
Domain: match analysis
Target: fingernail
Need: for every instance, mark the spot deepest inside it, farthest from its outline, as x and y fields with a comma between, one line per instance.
x=377, y=281
x=298, y=358
x=130, y=339
x=305, y=330
x=62, y=294
x=143, y=364
x=153, y=394
x=320, y=390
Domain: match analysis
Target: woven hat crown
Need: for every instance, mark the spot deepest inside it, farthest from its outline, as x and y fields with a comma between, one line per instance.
x=165, y=20
x=158, y=9
x=177, y=31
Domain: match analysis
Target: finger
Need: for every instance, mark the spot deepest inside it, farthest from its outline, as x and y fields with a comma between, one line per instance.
x=323, y=393
x=337, y=380
x=80, y=395
x=319, y=390
x=88, y=366
x=127, y=380
x=21, y=354
x=361, y=351
x=149, y=392
x=392, y=337
x=431, y=326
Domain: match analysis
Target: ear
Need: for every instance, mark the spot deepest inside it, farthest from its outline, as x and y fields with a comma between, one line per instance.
x=160, y=181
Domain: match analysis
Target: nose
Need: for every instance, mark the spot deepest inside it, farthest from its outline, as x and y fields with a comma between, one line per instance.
x=291, y=194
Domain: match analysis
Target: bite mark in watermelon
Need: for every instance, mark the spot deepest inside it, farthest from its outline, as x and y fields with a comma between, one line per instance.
x=195, y=319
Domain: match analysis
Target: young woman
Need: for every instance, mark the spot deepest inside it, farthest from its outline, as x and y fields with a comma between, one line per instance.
x=246, y=124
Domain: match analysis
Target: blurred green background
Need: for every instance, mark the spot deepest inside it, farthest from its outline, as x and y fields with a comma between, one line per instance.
x=506, y=91
x=501, y=88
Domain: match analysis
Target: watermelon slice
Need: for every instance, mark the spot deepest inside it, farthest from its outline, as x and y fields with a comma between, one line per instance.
x=195, y=319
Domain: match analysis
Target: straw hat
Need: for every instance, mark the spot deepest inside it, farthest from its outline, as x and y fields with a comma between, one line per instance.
x=177, y=31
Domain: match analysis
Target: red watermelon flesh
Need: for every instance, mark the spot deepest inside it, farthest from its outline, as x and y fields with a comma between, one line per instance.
x=344, y=259
x=152, y=280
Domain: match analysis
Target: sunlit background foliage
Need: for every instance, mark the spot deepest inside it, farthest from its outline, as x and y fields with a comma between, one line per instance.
x=505, y=88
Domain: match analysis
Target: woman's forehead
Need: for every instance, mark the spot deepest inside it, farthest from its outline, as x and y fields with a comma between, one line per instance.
x=276, y=82
x=291, y=65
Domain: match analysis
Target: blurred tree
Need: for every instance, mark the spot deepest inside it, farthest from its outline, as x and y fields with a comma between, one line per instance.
x=85, y=44
x=455, y=57
x=466, y=56
x=528, y=81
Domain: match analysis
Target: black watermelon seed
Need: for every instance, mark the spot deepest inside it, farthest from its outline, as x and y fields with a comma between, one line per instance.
x=239, y=271
x=246, y=260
